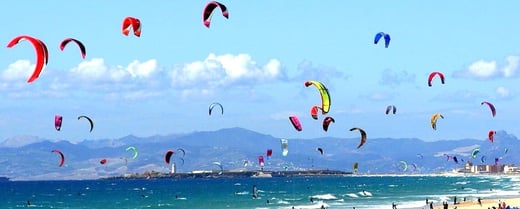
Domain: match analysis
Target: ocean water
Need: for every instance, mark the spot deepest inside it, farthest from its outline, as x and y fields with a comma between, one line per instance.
x=236, y=193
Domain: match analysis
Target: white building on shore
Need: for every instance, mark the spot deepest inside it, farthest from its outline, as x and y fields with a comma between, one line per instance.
x=490, y=169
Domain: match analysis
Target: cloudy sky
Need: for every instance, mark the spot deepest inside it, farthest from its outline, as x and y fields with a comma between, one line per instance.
x=255, y=64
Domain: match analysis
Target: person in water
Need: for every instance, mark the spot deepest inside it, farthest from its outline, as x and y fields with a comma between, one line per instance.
x=394, y=206
x=255, y=192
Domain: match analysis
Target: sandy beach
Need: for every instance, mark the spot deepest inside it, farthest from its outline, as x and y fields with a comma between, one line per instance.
x=486, y=203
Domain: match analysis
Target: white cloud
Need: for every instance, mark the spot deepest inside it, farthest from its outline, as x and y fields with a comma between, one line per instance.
x=482, y=69
x=16, y=75
x=503, y=92
x=226, y=70
x=137, y=80
x=143, y=70
x=512, y=65
x=20, y=70
x=96, y=70
x=142, y=79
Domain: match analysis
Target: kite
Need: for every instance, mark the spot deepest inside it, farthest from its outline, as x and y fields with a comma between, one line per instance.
x=432, y=75
x=363, y=136
x=42, y=54
x=380, y=35
x=207, y=13
x=132, y=22
x=80, y=45
x=89, y=121
x=324, y=93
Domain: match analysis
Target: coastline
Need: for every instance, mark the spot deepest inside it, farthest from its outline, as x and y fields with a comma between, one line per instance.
x=486, y=203
x=234, y=174
x=269, y=174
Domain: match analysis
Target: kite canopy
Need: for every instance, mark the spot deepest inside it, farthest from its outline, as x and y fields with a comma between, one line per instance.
x=295, y=122
x=314, y=112
x=80, y=45
x=134, y=24
x=324, y=93
x=62, y=160
x=57, y=122
x=42, y=54
x=491, y=135
x=89, y=121
x=432, y=75
x=434, y=118
x=212, y=105
x=261, y=160
x=134, y=150
x=207, y=13
x=363, y=136
x=326, y=122
x=319, y=149
x=491, y=107
x=168, y=156
x=390, y=108
x=380, y=35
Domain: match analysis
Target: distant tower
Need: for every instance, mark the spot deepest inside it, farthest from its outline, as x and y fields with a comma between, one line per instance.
x=173, y=167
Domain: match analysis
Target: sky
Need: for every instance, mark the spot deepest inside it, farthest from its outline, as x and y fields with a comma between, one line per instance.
x=255, y=64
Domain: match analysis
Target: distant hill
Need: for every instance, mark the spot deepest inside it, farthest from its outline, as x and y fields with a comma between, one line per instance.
x=30, y=158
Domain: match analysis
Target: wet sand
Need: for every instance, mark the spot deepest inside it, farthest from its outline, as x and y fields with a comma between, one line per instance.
x=473, y=204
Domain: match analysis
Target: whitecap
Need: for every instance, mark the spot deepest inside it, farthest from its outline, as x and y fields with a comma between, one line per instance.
x=352, y=195
x=325, y=197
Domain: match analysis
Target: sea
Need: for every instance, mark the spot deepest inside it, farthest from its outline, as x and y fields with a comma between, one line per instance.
x=372, y=192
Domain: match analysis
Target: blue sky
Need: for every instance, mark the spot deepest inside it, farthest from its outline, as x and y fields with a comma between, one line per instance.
x=255, y=64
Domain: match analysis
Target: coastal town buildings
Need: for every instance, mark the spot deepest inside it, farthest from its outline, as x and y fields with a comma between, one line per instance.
x=471, y=168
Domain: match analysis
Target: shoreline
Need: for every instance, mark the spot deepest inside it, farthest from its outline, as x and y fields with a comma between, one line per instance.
x=473, y=204
x=269, y=174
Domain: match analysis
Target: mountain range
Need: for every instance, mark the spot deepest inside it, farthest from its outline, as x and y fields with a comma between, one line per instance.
x=30, y=158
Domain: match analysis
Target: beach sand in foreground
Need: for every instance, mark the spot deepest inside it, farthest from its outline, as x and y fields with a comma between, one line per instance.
x=473, y=204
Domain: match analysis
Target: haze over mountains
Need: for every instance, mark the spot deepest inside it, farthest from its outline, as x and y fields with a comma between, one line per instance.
x=30, y=158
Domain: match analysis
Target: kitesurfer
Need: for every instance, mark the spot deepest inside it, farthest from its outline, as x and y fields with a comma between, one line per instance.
x=255, y=192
